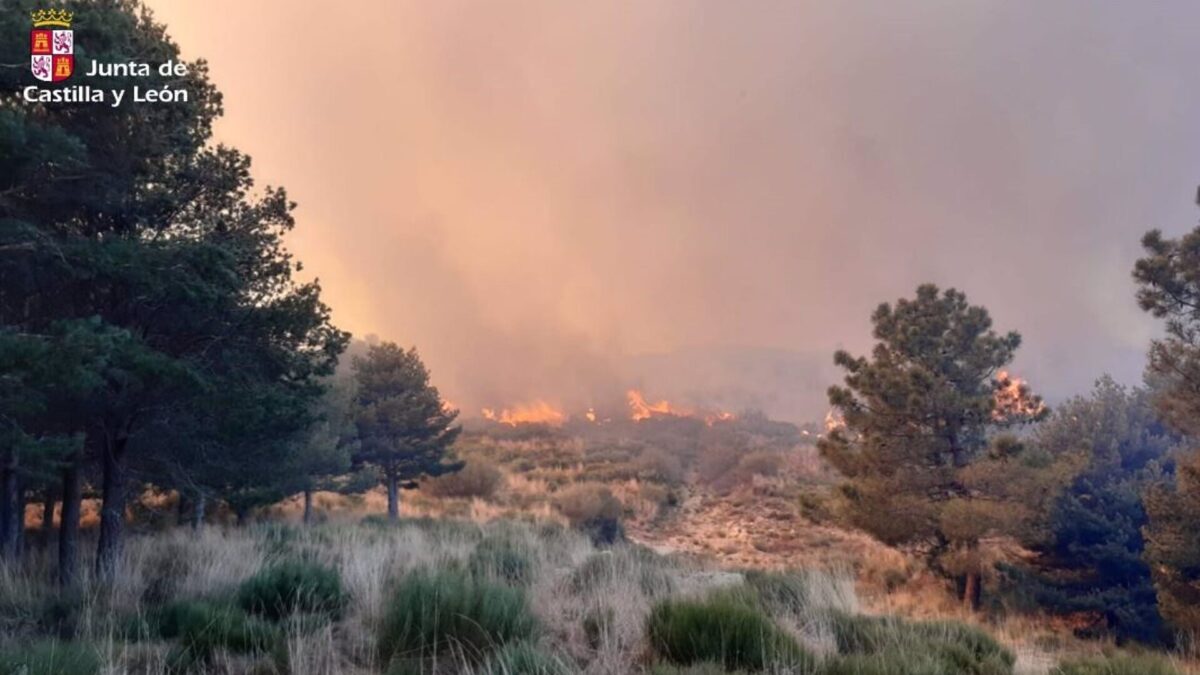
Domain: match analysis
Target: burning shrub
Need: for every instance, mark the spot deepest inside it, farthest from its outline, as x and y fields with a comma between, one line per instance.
x=725, y=631
x=479, y=478
x=431, y=613
x=593, y=509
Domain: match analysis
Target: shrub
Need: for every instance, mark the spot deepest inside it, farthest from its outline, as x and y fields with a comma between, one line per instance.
x=659, y=465
x=291, y=587
x=780, y=593
x=597, y=625
x=433, y=612
x=499, y=557
x=202, y=627
x=694, y=669
x=723, y=631
x=593, y=509
x=50, y=657
x=523, y=658
x=479, y=478
x=955, y=646
x=760, y=463
x=620, y=564
x=1119, y=664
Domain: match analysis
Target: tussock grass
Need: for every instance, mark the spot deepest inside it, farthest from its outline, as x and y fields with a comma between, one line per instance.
x=510, y=597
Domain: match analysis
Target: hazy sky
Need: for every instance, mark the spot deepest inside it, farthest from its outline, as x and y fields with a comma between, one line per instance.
x=536, y=193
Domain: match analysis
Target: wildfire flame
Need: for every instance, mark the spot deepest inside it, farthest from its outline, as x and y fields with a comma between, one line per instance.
x=834, y=421
x=1013, y=398
x=641, y=409
x=537, y=412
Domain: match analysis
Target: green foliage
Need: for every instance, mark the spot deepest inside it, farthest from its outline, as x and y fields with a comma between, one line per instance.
x=779, y=593
x=1092, y=554
x=524, y=658
x=1169, y=289
x=1173, y=545
x=431, y=613
x=723, y=631
x=930, y=381
x=293, y=587
x=1118, y=664
x=622, y=563
x=50, y=657
x=951, y=646
x=503, y=558
x=403, y=426
x=202, y=627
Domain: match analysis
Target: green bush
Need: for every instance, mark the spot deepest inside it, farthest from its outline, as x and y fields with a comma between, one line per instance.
x=694, y=669
x=621, y=563
x=724, y=631
x=499, y=557
x=50, y=657
x=434, y=612
x=523, y=658
x=954, y=646
x=780, y=593
x=202, y=627
x=292, y=587
x=1119, y=664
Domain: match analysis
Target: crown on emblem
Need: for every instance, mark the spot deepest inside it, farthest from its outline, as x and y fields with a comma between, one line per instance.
x=52, y=17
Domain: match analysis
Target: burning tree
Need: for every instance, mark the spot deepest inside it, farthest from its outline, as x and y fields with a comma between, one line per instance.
x=916, y=416
x=404, y=428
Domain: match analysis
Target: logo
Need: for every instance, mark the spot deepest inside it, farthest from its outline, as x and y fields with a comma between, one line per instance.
x=52, y=44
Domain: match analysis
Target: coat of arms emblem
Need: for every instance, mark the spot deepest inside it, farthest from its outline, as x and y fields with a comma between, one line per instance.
x=52, y=44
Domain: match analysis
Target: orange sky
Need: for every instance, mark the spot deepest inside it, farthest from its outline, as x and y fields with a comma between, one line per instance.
x=555, y=199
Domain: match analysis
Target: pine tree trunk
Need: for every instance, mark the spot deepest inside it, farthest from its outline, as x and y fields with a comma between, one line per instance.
x=180, y=510
x=19, y=522
x=242, y=514
x=393, y=497
x=308, y=507
x=972, y=591
x=198, y=511
x=9, y=516
x=68, y=527
x=112, y=510
x=48, y=502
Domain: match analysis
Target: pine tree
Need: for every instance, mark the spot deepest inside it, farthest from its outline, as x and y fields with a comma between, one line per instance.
x=404, y=427
x=1169, y=288
x=916, y=414
x=1091, y=560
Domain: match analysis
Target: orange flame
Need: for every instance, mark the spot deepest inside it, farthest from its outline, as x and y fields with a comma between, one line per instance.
x=641, y=409
x=1014, y=399
x=537, y=412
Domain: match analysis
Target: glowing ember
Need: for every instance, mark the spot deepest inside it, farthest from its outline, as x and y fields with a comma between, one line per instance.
x=590, y=415
x=537, y=412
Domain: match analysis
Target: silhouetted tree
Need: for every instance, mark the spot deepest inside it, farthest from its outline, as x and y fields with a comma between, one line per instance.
x=404, y=427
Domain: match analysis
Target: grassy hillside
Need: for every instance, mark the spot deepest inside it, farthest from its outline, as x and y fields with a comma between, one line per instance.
x=444, y=596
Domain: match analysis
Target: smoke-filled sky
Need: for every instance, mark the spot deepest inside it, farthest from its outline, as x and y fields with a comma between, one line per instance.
x=557, y=199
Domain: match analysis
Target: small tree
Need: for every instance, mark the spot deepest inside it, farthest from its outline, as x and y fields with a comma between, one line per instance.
x=404, y=427
x=1169, y=288
x=916, y=414
x=1091, y=559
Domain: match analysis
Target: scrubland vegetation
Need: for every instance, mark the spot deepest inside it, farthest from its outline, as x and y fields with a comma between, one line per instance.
x=445, y=596
x=188, y=446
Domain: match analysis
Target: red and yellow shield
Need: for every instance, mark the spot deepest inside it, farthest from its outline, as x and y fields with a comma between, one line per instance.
x=52, y=45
